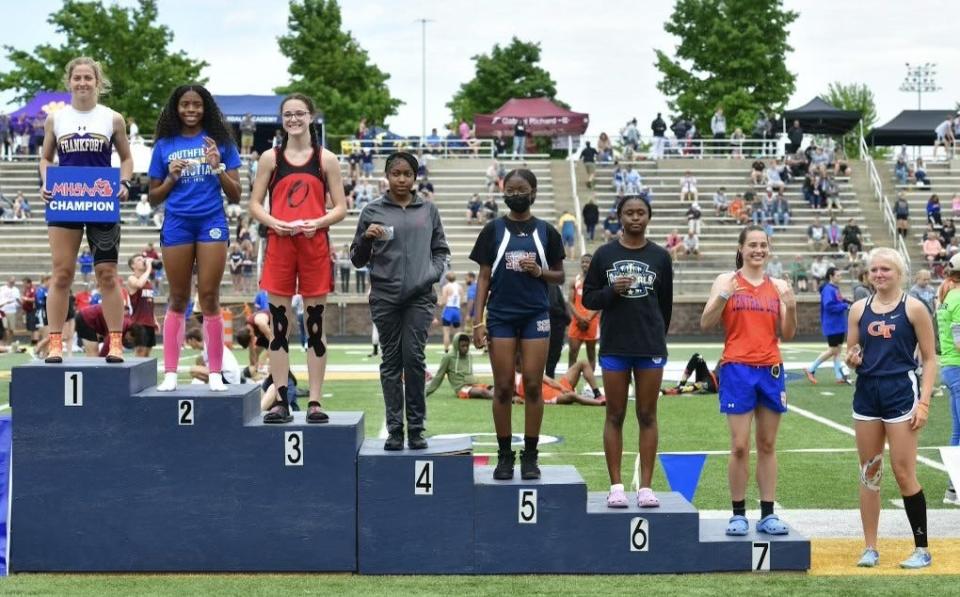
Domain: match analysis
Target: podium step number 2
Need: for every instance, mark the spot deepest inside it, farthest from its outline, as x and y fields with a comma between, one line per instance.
x=72, y=388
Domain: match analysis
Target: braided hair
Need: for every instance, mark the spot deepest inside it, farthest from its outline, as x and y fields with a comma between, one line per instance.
x=525, y=174
x=213, y=122
x=312, y=110
x=743, y=238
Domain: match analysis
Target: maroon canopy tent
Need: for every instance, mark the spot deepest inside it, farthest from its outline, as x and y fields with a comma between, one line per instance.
x=542, y=118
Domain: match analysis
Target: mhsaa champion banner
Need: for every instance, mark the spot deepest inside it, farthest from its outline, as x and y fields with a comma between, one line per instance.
x=82, y=194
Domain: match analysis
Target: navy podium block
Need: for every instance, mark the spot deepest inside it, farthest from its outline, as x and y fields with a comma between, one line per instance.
x=131, y=479
x=416, y=509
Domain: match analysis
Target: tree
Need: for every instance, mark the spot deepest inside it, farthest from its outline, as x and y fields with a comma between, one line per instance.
x=855, y=96
x=329, y=65
x=513, y=71
x=732, y=53
x=129, y=44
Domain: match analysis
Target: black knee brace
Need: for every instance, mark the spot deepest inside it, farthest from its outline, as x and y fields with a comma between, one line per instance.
x=280, y=323
x=315, y=329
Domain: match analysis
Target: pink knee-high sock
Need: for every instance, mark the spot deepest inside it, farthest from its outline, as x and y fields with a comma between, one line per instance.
x=213, y=338
x=173, y=334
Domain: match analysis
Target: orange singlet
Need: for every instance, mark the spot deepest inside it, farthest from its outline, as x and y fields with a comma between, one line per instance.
x=750, y=320
x=592, y=332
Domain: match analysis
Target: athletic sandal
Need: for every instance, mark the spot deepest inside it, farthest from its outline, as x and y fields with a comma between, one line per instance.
x=647, y=499
x=810, y=377
x=617, y=498
x=920, y=558
x=771, y=525
x=504, y=469
x=278, y=414
x=869, y=559
x=315, y=415
x=738, y=526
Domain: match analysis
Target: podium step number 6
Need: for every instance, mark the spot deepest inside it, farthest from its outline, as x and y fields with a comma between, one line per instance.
x=73, y=388
x=423, y=477
x=639, y=534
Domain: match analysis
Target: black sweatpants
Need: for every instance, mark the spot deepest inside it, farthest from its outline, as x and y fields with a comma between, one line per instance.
x=403, y=337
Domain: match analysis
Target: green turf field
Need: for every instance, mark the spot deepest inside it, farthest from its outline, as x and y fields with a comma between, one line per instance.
x=817, y=470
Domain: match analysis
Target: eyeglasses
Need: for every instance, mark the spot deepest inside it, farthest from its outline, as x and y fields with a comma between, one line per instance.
x=299, y=115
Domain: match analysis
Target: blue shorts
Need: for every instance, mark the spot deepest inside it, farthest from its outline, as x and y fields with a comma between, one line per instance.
x=745, y=387
x=367, y=168
x=618, y=363
x=887, y=398
x=180, y=230
x=530, y=327
x=451, y=317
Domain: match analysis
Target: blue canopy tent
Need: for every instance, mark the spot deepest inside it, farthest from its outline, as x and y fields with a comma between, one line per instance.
x=43, y=103
x=265, y=110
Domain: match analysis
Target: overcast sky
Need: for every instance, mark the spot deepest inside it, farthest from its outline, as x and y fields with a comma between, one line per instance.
x=602, y=58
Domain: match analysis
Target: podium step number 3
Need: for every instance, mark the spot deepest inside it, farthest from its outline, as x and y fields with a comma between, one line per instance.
x=72, y=388
x=293, y=448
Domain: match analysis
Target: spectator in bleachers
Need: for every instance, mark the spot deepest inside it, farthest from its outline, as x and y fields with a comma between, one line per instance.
x=366, y=162
x=361, y=276
x=632, y=181
x=933, y=251
x=948, y=231
x=834, y=235
x=249, y=264
x=900, y=170
x=85, y=261
x=433, y=141
x=591, y=217
x=818, y=270
x=589, y=158
x=818, y=161
x=758, y=171
x=277, y=138
x=499, y=145
x=605, y=148
x=810, y=192
x=774, y=180
x=798, y=274
x=855, y=262
x=10, y=306
x=350, y=191
x=762, y=130
x=718, y=124
x=659, y=128
x=829, y=193
x=362, y=131
x=611, y=226
x=774, y=268
x=6, y=140
x=781, y=210
x=688, y=187
x=494, y=181
x=920, y=174
x=797, y=164
x=817, y=235
x=720, y=202
x=631, y=136
x=901, y=211
x=353, y=161
x=674, y=244
x=739, y=210
x=567, y=224
x=519, y=139
x=345, y=266
x=795, y=135
x=473, y=209
x=144, y=211
x=18, y=211
x=691, y=244
x=490, y=209
x=840, y=164
x=852, y=236
x=736, y=142
x=953, y=248
x=694, y=216
x=619, y=179
x=363, y=194
x=760, y=207
x=945, y=137
x=235, y=264
x=933, y=211
x=425, y=188
x=955, y=205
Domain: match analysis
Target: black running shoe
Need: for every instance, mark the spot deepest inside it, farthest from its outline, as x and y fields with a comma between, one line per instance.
x=416, y=441
x=315, y=415
x=394, y=442
x=528, y=465
x=505, y=460
x=278, y=413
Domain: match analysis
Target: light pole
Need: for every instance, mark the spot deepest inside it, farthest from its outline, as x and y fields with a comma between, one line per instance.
x=920, y=78
x=423, y=58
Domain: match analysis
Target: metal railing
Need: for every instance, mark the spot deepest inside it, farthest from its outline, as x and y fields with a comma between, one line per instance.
x=653, y=148
x=446, y=148
x=576, y=205
x=877, y=184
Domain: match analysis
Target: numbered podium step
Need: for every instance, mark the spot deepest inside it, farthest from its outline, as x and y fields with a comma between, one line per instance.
x=126, y=478
x=416, y=508
x=762, y=552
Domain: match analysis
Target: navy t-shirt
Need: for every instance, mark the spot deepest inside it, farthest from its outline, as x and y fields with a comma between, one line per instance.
x=198, y=191
x=515, y=294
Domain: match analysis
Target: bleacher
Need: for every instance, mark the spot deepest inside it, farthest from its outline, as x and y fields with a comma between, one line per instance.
x=945, y=182
x=718, y=238
x=24, y=250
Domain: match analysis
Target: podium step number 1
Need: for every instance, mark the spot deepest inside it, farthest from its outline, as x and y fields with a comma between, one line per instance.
x=72, y=388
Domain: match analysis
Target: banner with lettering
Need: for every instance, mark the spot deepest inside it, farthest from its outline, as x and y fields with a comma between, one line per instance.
x=83, y=194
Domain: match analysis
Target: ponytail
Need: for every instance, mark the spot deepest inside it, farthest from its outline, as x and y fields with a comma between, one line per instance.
x=739, y=259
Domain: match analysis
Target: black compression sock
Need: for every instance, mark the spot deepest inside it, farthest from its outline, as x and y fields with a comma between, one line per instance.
x=530, y=443
x=916, y=507
x=766, y=509
x=596, y=392
x=739, y=507
x=504, y=443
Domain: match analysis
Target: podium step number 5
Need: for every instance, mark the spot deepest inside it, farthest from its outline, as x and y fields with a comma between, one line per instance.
x=527, y=513
x=423, y=477
x=73, y=388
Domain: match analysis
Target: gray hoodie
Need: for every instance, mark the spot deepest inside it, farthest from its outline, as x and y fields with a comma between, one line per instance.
x=409, y=264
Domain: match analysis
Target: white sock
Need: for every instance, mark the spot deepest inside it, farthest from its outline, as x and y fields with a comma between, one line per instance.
x=616, y=487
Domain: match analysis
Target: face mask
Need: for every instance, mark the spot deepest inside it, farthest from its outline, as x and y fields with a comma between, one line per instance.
x=518, y=203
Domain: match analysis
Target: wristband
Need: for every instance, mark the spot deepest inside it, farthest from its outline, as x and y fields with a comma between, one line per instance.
x=125, y=184
x=219, y=169
x=724, y=295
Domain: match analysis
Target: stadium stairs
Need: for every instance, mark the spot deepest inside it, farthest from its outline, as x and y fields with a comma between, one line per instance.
x=945, y=178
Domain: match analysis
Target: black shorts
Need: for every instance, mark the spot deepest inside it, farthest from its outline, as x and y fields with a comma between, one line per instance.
x=103, y=239
x=834, y=340
x=262, y=341
x=84, y=331
x=144, y=335
x=32, y=321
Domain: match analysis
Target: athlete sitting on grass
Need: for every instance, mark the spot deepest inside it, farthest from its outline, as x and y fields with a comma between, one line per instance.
x=200, y=372
x=458, y=367
x=704, y=380
x=564, y=390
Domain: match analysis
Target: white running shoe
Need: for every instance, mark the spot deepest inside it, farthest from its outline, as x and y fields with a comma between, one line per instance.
x=950, y=497
x=169, y=383
x=215, y=383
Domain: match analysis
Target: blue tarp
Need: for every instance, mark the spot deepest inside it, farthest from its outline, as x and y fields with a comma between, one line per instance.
x=44, y=102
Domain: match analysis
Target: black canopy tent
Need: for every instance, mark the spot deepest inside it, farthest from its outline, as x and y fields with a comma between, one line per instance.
x=819, y=117
x=910, y=127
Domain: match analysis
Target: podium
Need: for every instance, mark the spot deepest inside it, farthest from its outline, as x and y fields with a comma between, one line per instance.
x=111, y=475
